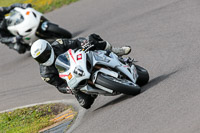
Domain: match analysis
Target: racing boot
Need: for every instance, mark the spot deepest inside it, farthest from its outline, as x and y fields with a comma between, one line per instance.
x=84, y=100
x=118, y=51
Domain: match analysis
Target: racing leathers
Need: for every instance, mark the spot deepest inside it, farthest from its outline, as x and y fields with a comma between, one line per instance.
x=50, y=73
x=6, y=37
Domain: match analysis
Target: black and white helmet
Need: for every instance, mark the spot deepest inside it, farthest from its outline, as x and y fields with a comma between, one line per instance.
x=42, y=52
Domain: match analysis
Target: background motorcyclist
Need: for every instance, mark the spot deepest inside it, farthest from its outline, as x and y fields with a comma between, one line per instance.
x=6, y=37
x=45, y=54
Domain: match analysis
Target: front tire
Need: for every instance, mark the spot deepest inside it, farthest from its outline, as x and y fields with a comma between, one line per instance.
x=143, y=74
x=118, y=85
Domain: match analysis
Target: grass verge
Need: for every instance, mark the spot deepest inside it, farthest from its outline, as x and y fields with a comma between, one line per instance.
x=31, y=119
x=40, y=5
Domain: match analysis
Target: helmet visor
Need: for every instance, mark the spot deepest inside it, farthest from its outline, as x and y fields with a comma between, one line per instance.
x=45, y=55
x=15, y=18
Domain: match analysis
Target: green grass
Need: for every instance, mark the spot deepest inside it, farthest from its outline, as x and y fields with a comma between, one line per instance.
x=40, y=5
x=30, y=120
x=9, y=2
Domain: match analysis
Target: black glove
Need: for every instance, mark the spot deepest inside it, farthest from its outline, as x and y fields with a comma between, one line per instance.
x=94, y=38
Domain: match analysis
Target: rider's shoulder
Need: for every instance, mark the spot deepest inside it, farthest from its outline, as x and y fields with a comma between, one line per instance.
x=57, y=42
x=60, y=41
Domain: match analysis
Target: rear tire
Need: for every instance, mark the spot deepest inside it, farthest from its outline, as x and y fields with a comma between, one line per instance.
x=143, y=74
x=116, y=84
x=58, y=32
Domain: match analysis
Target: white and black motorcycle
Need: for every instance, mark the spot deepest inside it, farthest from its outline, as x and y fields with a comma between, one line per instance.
x=32, y=25
x=100, y=72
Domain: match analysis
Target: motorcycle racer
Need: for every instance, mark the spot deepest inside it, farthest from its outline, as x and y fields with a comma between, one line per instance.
x=13, y=42
x=45, y=54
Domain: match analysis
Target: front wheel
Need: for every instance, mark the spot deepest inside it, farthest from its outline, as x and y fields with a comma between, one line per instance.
x=57, y=32
x=143, y=76
x=118, y=85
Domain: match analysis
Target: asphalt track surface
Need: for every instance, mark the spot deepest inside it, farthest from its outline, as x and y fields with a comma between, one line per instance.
x=165, y=38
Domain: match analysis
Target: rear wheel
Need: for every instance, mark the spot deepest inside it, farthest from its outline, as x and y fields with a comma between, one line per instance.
x=143, y=74
x=58, y=32
x=118, y=85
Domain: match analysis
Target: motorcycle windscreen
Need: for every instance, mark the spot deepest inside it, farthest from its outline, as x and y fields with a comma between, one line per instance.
x=15, y=18
x=62, y=63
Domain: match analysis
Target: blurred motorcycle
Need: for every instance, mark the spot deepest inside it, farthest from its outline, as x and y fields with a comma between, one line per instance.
x=32, y=25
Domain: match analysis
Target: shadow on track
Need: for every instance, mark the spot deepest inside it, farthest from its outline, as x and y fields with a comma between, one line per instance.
x=117, y=100
x=157, y=80
x=151, y=84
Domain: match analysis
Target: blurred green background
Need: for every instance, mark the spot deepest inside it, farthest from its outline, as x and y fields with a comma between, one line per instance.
x=40, y=5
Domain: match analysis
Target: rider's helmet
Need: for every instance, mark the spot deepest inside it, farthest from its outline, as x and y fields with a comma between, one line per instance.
x=43, y=52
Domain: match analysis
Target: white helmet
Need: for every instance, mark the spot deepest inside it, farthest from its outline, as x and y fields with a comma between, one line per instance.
x=42, y=52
